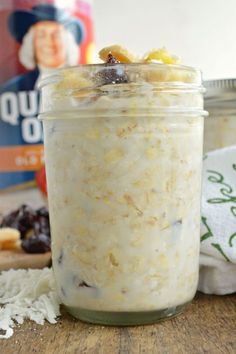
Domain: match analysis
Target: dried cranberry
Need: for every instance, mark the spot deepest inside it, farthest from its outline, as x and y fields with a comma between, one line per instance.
x=37, y=244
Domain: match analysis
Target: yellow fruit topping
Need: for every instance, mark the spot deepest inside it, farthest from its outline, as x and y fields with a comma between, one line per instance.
x=72, y=80
x=9, y=238
x=161, y=55
x=119, y=53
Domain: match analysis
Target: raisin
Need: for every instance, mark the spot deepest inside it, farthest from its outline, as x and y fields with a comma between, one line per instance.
x=83, y=284
x=112, y=76
x=37, y=244
x=41, y=224
x=111, y=59
x=37, y=228
x=60, y=258
x=112, y=73
x=80, y=283
x=43, y=212
x=10, y=220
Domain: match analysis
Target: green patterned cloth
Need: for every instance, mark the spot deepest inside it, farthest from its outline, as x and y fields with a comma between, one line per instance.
x=218, y=229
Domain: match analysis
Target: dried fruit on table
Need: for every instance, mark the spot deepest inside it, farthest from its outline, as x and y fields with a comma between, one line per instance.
x=37, y=244
x=21, y=219
x=32, y=226
x=9, y=238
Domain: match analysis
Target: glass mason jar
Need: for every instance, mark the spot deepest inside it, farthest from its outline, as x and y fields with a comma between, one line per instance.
x=123, y=150
x=220, y=126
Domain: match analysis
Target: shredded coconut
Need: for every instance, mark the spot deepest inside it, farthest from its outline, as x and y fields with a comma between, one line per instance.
x=27, y=294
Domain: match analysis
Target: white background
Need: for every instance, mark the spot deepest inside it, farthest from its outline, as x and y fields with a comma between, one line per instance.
x=201, y=32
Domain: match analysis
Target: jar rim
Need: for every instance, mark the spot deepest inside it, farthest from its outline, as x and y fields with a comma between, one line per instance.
x=92, y=87
x=58, y=74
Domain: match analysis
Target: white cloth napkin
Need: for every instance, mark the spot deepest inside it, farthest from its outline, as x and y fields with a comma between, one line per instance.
x=218, y=228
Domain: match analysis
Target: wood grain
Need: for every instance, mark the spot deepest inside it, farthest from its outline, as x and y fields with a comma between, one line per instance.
x=207, y=326
x=19, y=259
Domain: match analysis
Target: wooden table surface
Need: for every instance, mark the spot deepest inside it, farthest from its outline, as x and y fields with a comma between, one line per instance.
x=207, y=326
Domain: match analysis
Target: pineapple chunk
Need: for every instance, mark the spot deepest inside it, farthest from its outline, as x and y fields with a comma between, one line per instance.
x=119, y=53
x=161, y=55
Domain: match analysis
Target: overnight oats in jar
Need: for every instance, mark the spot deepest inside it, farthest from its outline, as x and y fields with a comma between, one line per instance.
x=123, y=149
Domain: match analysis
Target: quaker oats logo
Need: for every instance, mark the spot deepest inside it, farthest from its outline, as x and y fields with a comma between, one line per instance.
x=49, y=37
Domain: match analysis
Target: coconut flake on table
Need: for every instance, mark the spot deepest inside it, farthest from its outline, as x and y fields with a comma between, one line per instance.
x=27, y=294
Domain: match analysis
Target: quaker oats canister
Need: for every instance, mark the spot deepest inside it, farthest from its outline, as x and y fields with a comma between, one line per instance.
x=220, y=102
x=123, y=153
x=37, y=36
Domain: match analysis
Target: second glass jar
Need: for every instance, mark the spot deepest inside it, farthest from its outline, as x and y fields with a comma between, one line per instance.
x=220, y=126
